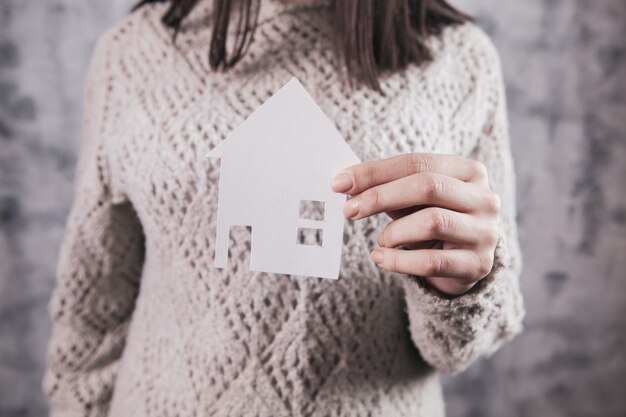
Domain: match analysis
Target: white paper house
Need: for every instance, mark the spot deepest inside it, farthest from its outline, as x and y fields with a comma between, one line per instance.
x=280, y=158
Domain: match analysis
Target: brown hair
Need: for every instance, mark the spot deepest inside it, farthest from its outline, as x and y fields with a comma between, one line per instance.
x=370, y=36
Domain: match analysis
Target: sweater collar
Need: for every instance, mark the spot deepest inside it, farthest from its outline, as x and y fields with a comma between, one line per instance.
x=268, y=8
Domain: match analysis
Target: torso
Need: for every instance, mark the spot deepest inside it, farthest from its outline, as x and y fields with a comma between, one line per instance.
x=231, y=340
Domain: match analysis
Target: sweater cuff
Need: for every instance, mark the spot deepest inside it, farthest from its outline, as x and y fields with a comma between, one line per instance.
x=453, y=332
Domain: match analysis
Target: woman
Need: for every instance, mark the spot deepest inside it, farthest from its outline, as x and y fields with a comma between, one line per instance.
x=145, y=325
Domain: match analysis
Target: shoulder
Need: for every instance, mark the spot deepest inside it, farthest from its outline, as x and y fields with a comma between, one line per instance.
x=467, y=41
x=466, y=76
x=132, y=26
x=114, y=65
x=467, y=57
x=125, y=38
x=469, y=53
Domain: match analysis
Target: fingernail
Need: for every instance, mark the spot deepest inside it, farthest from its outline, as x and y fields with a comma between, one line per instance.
x=351, y=208
x=377, y=256
x=341, y=183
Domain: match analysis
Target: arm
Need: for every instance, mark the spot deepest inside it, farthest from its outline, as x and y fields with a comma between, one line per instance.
x=98, y=270
x=469, y=303
x=452, y=333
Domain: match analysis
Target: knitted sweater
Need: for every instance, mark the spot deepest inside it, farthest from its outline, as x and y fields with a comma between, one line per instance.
x=144, y=325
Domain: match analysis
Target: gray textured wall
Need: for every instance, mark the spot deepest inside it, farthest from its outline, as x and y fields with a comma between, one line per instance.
x=565, y=65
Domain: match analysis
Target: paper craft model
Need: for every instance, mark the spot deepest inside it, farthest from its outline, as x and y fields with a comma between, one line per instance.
x=280, y=159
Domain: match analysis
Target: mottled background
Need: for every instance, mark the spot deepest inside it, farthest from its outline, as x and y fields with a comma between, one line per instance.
x=565, y=66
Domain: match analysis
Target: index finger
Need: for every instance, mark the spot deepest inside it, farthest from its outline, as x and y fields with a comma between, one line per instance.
x=358, y=178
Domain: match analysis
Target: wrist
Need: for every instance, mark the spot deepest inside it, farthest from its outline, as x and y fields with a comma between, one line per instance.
x=448, y=287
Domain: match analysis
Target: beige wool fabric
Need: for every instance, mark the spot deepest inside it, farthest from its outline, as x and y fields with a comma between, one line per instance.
x=144, y=325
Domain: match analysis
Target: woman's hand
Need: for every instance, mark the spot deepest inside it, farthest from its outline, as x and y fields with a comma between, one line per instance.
x=445, y=216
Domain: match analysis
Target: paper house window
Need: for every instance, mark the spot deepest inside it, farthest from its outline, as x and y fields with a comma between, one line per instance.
x=312, y=210
x=311, y=222
x=309, y=236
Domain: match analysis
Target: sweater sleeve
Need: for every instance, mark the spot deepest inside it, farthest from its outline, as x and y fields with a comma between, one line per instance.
x=453, y=333
x=99, y=266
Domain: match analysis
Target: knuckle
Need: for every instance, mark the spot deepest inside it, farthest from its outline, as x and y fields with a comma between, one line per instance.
x=450, y=222
x=497, y=202
x=373, y=200
x=493, y=235
x=436, y=265
x=419, y=162
x=494, y=202
x=391, y=260
x=485, y=264
x=479, y=169
x=435, y=187
x=438, y=221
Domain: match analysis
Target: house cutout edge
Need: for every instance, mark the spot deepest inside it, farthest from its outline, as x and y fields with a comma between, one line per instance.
x=285, y=153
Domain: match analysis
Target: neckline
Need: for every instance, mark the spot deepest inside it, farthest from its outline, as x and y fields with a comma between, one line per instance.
x=268, y=9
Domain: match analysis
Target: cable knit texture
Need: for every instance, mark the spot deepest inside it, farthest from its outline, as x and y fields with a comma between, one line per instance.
x=144, y=325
